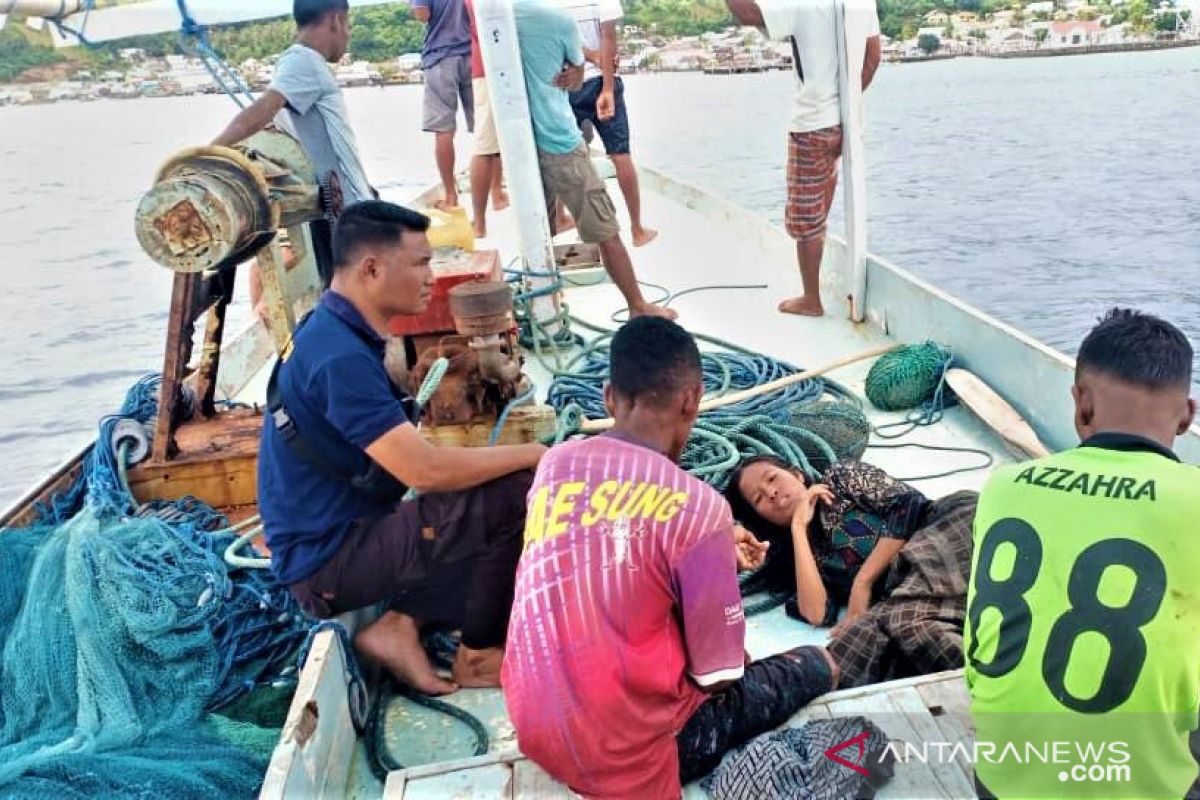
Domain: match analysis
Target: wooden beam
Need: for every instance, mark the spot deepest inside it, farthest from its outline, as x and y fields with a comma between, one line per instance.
x=214, y=331
x=525, y=424
x=175, y=361
x=281, y=318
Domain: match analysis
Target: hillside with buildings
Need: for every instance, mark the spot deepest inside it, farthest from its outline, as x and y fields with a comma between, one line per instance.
x=656, y=35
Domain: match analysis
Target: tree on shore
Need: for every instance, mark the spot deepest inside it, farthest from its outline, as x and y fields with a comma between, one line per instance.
x=1041, y=34
x=929, y=43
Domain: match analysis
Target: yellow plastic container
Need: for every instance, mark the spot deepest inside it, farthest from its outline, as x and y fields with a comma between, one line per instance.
x=450, y=229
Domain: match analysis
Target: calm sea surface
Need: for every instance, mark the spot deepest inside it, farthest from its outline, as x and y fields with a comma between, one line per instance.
x=1041, y=190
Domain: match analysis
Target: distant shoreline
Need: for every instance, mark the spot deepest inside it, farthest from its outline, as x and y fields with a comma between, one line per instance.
x=37, y=93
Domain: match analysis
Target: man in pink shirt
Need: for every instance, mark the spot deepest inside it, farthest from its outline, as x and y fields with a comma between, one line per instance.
x=624, y=672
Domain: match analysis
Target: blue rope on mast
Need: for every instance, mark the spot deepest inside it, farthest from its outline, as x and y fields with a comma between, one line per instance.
x=225, y=76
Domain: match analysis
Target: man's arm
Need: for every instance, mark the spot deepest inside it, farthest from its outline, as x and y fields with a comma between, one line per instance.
x=571, y=76
x=420, y=10
x=403, y=452
x=746, y=12
x=606, y=105
x=871, y=61
x=252, y=119
x=710, y=604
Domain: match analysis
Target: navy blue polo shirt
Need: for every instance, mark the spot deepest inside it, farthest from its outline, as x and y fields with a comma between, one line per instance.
x=335, y=372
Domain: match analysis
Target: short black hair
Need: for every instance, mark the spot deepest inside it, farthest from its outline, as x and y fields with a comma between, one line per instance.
x=306, y=12
x=652, y=359
x=1138, y=349
x=372, y=222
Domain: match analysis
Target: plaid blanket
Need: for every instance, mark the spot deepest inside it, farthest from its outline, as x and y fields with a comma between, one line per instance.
x=918, y=627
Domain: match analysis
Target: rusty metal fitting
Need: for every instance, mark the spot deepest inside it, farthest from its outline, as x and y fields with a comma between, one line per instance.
x=482, y=308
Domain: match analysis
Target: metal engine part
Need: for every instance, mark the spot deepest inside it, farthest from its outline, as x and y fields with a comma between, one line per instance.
x=215, y=207
x=482, y=308
x=478, y=384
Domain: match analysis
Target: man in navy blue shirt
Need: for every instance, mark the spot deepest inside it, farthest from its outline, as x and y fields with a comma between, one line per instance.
x=341, y=542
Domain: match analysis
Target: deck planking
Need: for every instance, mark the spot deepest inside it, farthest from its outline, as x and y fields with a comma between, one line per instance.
x=912, y=710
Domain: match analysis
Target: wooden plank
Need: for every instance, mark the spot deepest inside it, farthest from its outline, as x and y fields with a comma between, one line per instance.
x=950, y=707
x=877, y=688
x=223, y=482
x=397, y=784
x=23, y=511
x=314, y=752
x=444, y=767
x=954, y=775
x=530, y=782
x=995, y=412
x=493, y=782
x=217, y=462
x=524, y=424
x=911, y=779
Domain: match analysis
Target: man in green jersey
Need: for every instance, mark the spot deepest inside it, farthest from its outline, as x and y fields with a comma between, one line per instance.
x=1083, y=629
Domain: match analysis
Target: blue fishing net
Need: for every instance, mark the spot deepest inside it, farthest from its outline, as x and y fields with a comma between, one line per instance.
x=122, y=629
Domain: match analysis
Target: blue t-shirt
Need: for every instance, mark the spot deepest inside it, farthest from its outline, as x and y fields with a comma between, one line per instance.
x=448, y=32
x=335, y=372
x=549, y=39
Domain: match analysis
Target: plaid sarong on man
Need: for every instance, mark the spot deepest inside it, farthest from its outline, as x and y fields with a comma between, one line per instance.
x=811, y=181
x=918, y=627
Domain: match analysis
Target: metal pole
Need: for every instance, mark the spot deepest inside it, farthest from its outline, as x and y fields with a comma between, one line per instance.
x=510, y=109
x=50, y=9
x=852, y=22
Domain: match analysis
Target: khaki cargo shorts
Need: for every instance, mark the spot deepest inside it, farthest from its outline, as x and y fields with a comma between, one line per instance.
x=573, y=179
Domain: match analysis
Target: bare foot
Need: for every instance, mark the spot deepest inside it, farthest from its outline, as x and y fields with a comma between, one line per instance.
x=644, y=236
x=802, y=306
x=478, y=669
x=480, y=231
x=499, y=201
x=651, y=310
x=448, y=202
x=394, y=642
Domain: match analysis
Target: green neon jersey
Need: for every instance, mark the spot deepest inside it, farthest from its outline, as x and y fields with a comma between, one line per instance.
x=1083, y=624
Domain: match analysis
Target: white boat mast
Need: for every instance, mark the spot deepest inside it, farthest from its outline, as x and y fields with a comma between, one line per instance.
x=854, y=20
x=497, y=30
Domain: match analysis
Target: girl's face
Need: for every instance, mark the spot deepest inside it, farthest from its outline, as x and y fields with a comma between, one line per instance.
x=773, y=492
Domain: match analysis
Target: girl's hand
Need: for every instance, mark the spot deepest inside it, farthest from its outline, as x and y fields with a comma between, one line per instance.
x=807, y=509
x=860, y=602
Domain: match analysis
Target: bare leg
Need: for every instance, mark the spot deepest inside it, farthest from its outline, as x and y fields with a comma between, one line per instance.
x=620, y=269
x=444, y=151
x=627, y=179
x=809, y=304
x=499, y=196
x=562, y=219
x=478, y=669
x=481, y=180
x=394, y=642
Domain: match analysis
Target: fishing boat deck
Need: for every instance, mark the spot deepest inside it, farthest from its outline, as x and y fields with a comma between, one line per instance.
x=928, y=708
x=702, y=242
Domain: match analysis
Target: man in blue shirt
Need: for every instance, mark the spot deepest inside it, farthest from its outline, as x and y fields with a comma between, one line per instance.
x=553, y=62
x=341, y=541
x=446, y=62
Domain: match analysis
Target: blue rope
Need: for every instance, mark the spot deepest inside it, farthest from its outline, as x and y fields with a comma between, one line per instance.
x=222, y=72
x=516, y=401
x=258, y=627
